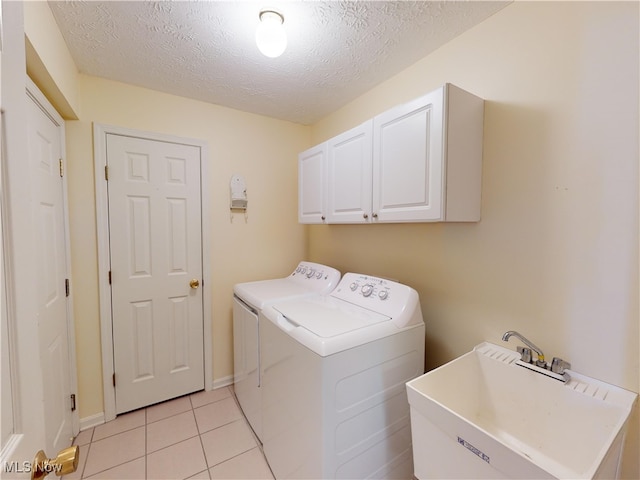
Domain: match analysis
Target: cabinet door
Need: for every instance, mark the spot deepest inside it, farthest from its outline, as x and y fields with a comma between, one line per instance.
x=408, y=161
x=312, y=188
x=350, y=172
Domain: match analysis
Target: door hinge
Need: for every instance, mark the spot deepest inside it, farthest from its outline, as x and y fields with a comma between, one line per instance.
x=61, y=168
x=106, y=172
x=114, y=379
x=73, y=402
x=66, y=287
x=109, y=277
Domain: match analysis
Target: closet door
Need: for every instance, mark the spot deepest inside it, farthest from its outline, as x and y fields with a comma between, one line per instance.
x=156, y=269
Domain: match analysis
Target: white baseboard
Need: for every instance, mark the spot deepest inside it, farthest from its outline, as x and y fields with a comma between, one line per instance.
x=223, y=382
x=92, y=421
x=98, y=418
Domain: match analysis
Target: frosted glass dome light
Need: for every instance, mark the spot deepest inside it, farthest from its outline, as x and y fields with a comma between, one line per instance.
x=270, y=35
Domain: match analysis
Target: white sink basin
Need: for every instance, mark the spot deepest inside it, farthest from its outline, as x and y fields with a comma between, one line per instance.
x=483, y=416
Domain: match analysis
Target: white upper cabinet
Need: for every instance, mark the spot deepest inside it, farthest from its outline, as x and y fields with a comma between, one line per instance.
x=417, y=162
x=350, y=175
x=312, y=185
x=408, y=161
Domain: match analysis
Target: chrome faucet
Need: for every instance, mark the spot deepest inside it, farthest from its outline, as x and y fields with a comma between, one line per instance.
x=555, y=370
x=526, y=355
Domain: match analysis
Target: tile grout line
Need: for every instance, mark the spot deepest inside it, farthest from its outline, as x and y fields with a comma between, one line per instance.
x=206, y=460
x=113, y=466
x=90, y=445
x=84, y=465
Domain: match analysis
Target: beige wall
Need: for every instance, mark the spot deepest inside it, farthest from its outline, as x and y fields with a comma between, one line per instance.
x=556, y=253
x=267, y=243
x=49, y=62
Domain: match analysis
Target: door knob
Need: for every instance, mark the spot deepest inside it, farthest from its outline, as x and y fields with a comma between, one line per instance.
x=65, y=463
x=195, y=283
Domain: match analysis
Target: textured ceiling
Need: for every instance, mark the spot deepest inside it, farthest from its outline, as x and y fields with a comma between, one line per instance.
x=206, y=49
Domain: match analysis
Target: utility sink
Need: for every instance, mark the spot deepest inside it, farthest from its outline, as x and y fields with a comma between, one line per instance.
x=483, y=416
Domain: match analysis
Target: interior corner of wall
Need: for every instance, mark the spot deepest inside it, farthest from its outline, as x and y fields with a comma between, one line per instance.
x=64, y=102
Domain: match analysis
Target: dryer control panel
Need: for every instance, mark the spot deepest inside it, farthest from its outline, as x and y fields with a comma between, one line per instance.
x=323, y=277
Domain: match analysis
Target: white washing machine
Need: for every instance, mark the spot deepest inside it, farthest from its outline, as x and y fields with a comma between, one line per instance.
x=334, y=369
x=249, y=299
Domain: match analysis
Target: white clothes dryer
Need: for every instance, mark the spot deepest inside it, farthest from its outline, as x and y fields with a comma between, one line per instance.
x=334, y=369
x=249, y=299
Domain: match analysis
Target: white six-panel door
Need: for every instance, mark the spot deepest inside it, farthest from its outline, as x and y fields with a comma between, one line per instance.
x=45, y=153
x=156, y=257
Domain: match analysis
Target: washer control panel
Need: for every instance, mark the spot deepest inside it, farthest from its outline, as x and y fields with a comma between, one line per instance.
x=381, y=295
x=375, y=293
x=368, y=286
x=377, y=288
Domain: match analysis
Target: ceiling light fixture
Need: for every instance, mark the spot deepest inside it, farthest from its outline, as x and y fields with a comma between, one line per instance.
x=270, y=35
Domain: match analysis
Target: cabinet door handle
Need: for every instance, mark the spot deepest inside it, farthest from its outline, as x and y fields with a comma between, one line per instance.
x=375, y=215
x=323, y=218
x=365, y=216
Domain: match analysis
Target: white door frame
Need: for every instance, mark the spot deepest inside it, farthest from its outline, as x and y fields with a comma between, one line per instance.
x=26, y=385
x=100, y=131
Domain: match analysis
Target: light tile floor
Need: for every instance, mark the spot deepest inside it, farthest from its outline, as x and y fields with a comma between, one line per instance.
x=198, y=436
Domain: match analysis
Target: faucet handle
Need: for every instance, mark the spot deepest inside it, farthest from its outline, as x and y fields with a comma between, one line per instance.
x=558, y=365
x=525, y=354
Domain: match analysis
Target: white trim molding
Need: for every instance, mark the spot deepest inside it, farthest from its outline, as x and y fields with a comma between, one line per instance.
x=91, y=421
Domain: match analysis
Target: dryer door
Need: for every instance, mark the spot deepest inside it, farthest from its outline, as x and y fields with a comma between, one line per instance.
x=246, y=363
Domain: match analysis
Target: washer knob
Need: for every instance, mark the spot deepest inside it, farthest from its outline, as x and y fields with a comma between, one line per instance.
x=383, y=295
x=367, y=290
x=319, y=275
x=310, y=273
x=353, y=286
